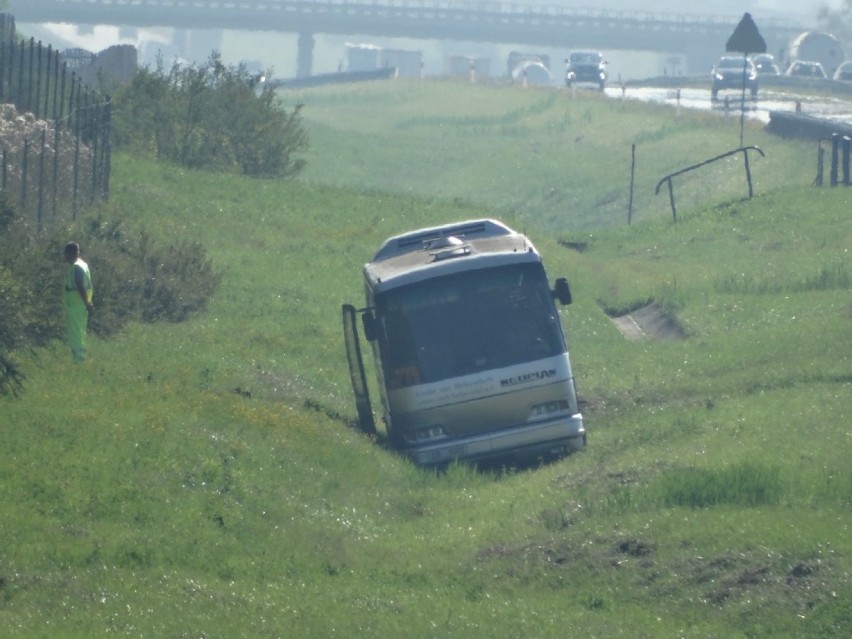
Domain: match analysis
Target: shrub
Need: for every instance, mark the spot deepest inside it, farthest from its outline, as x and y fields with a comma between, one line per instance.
x=137, y=279
x=11, y=377
x=179, y=279
x=25, y=319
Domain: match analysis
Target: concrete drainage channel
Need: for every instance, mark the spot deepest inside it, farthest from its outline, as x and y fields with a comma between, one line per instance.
x=649, y=322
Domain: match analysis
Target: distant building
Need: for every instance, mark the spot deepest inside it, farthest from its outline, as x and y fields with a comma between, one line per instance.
x=462, y=66
x=408, y=64
x=363, y=57
x=111, y=67
x=76, y=58
x=369, y=57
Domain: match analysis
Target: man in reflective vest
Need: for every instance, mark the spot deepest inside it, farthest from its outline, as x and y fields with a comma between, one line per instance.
x=77, y=300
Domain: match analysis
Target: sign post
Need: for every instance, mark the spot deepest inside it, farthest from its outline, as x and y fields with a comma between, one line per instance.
x=745, y=39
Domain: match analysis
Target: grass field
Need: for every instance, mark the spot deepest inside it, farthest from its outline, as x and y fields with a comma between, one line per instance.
x=203, y=479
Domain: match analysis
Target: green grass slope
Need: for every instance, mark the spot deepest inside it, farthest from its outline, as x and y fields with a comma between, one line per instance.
x=541, y=158
x=202, y=479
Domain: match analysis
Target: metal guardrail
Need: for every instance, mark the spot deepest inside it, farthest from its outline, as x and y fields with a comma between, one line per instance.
x=668, y=179
x=334, y=78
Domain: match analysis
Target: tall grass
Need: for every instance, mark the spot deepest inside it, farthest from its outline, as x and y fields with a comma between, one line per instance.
x=202, y=479
x=745, y=484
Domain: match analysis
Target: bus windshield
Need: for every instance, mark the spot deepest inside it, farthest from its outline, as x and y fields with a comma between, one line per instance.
x=467, y=322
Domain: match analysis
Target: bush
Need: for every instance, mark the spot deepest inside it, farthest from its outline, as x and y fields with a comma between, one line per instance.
x=135, y=279
x=11, y=377
x=211, y=116
x=179, y=279
x=27, y=312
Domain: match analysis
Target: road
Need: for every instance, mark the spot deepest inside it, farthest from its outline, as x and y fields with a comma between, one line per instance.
x=835, y=109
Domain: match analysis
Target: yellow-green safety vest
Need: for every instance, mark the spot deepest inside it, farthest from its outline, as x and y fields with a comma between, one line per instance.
x=70, y=293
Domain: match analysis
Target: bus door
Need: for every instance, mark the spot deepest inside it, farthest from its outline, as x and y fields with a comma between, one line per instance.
x=366, y=421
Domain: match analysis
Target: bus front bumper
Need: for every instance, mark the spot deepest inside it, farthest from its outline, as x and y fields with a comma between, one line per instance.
x=542, y=439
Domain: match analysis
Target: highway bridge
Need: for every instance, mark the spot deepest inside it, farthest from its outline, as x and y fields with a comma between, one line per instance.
x=699, y=38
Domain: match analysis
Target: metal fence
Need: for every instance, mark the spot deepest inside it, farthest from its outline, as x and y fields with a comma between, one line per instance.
x=54, y=131
x=840, y=171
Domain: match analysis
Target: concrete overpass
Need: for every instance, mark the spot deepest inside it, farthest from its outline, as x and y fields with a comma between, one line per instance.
x=699, y=38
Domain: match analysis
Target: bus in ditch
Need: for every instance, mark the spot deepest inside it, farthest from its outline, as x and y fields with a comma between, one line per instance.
x=468, y=348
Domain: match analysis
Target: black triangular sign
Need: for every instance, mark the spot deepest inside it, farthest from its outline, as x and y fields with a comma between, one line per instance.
x=746, y=38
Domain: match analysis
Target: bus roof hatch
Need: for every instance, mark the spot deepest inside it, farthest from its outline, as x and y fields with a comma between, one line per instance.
x=447, y=247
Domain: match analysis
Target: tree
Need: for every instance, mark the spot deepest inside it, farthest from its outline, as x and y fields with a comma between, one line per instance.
x=838, y=23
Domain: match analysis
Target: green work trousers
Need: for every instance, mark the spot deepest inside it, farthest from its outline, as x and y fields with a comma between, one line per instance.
x=76, y=318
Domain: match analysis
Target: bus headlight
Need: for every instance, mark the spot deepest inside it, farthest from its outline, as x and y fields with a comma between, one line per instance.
x=548, y=409
x=421, y=435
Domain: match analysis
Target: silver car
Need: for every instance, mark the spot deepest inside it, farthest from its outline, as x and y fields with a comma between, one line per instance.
x=733, y=72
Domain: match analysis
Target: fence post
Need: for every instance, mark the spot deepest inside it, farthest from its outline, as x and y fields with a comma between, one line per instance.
x=748, y=174
x=56, y=138
x=632, y=174
x=76, y=176
x=30, y=79
x=47, y=78
x=24, y=166
x=17, y=98
x=40, y=201
x=671, y=200
x=2, y=69
x=95, y=146
x=72, y=112
x=35, y=79
x=107, y=147
x=846, y=144
x=820, y=162
x=835, y=149
x=93, y=142
x=60, y=111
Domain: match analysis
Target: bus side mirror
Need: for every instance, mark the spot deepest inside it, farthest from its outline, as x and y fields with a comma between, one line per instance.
x=562, y=292
x=371, y=328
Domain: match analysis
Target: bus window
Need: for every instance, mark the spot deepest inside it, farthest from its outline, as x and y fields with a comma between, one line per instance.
x=468, y=322
x=399, y=351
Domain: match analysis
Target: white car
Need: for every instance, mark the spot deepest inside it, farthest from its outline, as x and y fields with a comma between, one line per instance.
x=764, y=64
x=844, y=72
